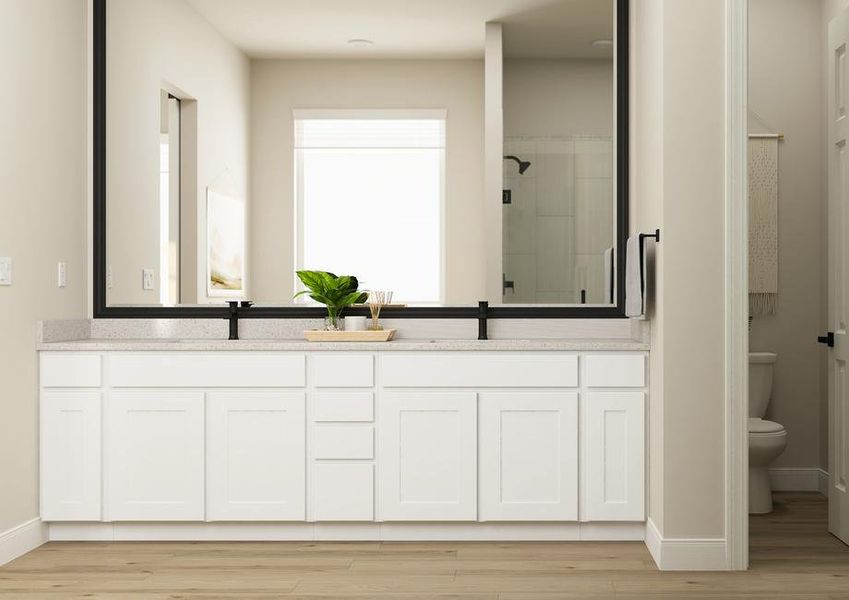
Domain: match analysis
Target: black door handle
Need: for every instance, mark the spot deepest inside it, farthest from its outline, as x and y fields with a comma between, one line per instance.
x=827, y=339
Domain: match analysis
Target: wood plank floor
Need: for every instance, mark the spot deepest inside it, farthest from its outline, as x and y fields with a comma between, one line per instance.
x=792, y=558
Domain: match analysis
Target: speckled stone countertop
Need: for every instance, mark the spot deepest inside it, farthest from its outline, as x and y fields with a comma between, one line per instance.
x=206, y=345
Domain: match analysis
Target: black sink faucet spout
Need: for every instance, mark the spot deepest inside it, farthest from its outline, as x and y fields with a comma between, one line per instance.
x=233, y=316
x=483, y=313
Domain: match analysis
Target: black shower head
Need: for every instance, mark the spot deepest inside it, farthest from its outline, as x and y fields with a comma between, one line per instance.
x=523, y=164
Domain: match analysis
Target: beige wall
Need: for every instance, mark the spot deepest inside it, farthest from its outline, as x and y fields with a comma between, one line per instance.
x=558, y=98
x=678, y=182
x=154, y=45
x=646, y=211
x=279, y=86
x=786, y=91
x=43, y=170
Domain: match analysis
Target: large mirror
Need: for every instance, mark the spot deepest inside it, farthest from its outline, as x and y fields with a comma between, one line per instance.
x=239, y=141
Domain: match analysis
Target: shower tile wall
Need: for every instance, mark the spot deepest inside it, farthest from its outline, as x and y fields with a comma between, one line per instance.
x=560, y=220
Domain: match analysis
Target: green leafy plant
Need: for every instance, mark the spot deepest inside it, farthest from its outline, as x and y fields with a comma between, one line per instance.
x=335, y=292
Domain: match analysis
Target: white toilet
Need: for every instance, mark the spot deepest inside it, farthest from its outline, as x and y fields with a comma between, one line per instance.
x=767, y=439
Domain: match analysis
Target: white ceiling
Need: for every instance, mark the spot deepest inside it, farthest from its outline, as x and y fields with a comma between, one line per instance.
x=410, y=28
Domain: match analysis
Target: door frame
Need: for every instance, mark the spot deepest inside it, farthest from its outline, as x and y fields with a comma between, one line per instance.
x=736, y=289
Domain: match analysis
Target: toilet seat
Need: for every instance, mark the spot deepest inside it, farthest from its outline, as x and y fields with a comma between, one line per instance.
x=764, y=428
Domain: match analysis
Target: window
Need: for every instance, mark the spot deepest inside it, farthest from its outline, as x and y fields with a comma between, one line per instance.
x=369, y=187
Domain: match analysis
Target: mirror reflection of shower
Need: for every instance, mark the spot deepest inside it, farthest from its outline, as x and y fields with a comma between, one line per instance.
x=523, y=164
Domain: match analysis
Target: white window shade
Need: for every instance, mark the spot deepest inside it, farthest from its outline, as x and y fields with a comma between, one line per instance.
x=369, y=133
x=370, y=193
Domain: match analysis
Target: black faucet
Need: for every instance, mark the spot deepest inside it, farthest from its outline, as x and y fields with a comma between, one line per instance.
x=233, y=316
x=483, y=312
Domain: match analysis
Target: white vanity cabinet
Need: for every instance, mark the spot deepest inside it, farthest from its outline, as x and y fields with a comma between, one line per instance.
x=71, y=436
x=614, y=449
x=428, y=458
x=70, y=455
x=493, y=440
x=255, y=455
x=529, y=456
x=154, y=455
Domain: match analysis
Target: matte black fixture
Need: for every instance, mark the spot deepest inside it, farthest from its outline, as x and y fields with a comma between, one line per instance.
x=483, y=313
x=827, y=339
x=643, y=237
x=506, y=196
x=523, y=164
x=233, y=316
x=506, y=284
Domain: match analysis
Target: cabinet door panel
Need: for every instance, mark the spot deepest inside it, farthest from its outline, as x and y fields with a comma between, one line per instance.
x=428, y=457
x=70, y=455
x=256, y=456
x=614, y=456
x=156, y=455
x=529, y=456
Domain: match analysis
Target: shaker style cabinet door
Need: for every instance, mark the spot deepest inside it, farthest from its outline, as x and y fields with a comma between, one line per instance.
x=614, y=456
x=256, y=456
x=428, y=456
x=529, y=456
x=70, y=455
x=155, y=455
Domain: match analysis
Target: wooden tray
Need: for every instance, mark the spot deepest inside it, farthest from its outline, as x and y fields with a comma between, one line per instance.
x=383, y=335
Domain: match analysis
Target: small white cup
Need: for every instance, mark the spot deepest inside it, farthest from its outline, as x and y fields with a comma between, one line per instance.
x=355, y=323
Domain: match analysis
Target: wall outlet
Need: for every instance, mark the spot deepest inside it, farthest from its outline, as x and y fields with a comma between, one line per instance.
x=147, y=279
x=62, y=275
x=5, y=270
x=108, y=278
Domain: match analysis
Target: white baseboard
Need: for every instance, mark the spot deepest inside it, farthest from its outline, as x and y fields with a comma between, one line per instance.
x=24, y=538
x=685, y=554
x=787, y=479
x=347, y=531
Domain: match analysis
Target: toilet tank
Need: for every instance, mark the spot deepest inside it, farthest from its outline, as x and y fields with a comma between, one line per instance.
x=761, y=365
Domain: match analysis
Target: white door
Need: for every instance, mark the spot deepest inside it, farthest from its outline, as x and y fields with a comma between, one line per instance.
x=838, y=276
x=70, y=455
x=155, y=455
x=613, y=456
x=529, y=456
x=428, y=456
x=256, y=456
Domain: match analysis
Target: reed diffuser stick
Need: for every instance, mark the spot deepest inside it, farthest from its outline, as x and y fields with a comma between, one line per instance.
x=376, y=301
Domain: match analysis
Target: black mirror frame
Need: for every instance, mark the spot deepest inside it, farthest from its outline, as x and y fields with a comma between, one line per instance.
x=101, y=310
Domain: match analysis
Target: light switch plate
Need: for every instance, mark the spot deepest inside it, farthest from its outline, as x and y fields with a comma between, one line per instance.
x=147, y=279
x=62, y=275
x=108, y=278
x=5, y=270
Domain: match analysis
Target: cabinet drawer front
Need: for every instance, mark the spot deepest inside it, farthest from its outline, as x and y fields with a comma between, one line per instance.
x=491, y=369
x=343, y=492
x=70, y=370
x=343, y=442
x=207, y=369
x=615, y=370
x=343, y=407
x=343, y=370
